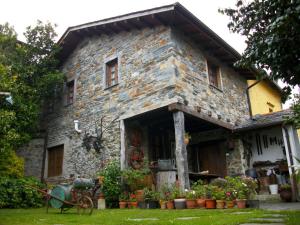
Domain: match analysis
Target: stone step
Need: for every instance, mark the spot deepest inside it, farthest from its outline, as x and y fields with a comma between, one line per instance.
x=268, y=198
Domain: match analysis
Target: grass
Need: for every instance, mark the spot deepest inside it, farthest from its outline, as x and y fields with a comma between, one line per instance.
x=125, y=216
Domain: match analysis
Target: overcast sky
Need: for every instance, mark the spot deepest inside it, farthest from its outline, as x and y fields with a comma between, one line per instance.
x=67, y=13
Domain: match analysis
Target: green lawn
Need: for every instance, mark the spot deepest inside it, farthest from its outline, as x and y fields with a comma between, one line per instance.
x=117, y=216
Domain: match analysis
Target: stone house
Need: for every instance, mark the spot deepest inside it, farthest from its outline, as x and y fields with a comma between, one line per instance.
x=145, y=79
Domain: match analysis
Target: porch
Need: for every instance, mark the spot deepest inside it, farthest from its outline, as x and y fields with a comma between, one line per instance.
x=271, y=146
x=159, y=136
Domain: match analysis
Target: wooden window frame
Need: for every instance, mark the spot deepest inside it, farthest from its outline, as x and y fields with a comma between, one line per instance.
x=55, y=161
x=70, y=92
x=112, y=72
x=214, y=78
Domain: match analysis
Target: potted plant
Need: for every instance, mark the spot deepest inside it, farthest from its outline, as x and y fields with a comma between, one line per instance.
x=138, y=179
x=123, y=198
x=168, y=197
x=163, y=196
x=179, y=198
x=133, y=201
x=210, y=202
x=187, y=138
x=200, y=194
x=220, y=196
x=151, y=198
x=191, y=199
x=286, y=193
x=241, y=200
x=251, y=192
x=229, y=197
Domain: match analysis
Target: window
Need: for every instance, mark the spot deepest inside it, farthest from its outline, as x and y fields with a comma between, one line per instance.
x=270, y=106
x=55, y=160
x=111, y=73
x=213, y=75
x=70, y=92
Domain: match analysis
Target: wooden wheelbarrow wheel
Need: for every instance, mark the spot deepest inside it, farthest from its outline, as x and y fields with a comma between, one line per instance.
x=85, y=205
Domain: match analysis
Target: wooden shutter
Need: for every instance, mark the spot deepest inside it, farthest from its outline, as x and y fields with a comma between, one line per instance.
x=55, y=160
x=213, y=74
x=112, y=73
x=70, y=92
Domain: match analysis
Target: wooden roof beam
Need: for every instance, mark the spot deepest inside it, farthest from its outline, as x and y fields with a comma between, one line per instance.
x=148, y=24
x=133, y=24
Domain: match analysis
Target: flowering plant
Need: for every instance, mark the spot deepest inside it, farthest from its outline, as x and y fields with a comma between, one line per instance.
x=190, y=195
x=230, y=194
x=219, y=194
x=166, y=193
x=124, y=196
x=132, y=197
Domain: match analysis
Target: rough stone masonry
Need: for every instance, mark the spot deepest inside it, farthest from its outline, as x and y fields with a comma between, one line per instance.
x=157, y=66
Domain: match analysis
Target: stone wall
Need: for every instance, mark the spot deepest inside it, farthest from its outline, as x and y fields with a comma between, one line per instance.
x=33, y=157
x=227, y=103
x=157, y=66
x=236, y=164
x=146, y=82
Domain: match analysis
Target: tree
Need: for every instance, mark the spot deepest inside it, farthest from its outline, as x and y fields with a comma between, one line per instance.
x=29, y=73
x=272, y=31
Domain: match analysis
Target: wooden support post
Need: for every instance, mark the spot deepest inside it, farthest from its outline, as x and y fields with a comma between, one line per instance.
x=180, y=151
x=123, y=146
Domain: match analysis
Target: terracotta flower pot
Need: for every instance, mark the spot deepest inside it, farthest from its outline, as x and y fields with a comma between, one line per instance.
x=122, y=204
x=170, y=204
x=133, y=205
x=229, y=204
x=139, y=195
x=191, y=203
x=241, y=203
x=200, y=203
x=220, y=204
x=163, y=204
x=210, y=204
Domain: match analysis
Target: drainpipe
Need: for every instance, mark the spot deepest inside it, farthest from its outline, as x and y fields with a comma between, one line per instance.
x=293, y=179
x=248, y=97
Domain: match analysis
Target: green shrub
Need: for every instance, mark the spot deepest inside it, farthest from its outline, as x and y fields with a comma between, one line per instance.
x=10, y=164
x=14, y=193
x=111, y=183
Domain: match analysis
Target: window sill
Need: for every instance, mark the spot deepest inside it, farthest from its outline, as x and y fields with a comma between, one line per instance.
x=216, y=88
x=106, y=88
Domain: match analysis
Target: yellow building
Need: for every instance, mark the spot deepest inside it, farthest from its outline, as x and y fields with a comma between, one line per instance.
x=265, y=97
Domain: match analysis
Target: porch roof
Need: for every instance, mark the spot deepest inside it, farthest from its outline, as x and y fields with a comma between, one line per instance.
x=265, y=120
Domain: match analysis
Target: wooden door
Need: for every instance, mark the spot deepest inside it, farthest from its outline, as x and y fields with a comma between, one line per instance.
x=213, y=159
x=55, y=160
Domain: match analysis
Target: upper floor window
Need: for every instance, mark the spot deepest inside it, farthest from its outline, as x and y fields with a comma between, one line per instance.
x=214, y=75
x=111, y=76
x=70, y=92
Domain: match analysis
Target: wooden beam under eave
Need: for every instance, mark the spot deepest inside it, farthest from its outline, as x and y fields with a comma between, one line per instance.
x=121, y=26
x=133, y=24
x=107, y=28
x=147, y=23
x=180, y=107
x=154, y=18
x=161, y=20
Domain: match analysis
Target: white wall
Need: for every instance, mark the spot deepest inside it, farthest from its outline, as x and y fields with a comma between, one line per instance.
x=271, y=153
